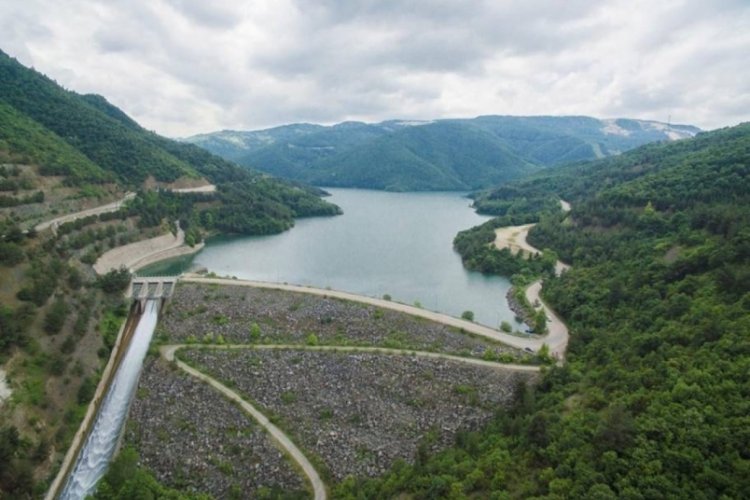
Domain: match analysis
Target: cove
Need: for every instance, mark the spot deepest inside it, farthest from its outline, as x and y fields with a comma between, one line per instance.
x=399, y=244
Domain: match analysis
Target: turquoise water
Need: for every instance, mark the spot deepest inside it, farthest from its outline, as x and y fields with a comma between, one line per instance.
x=385, y=243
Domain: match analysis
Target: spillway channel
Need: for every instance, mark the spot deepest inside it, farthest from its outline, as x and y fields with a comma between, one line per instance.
x=100, y=445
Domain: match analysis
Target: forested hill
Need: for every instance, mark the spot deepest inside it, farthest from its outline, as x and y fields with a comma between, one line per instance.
x=453, y=154
x=654, y=400
x=89, y=142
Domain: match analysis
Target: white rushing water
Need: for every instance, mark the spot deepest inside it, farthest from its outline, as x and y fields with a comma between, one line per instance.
x=100, y=446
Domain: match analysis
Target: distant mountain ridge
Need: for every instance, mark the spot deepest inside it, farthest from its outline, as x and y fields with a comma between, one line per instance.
x=447, y=154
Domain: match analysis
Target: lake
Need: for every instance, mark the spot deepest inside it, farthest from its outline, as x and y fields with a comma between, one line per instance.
x=399, y=244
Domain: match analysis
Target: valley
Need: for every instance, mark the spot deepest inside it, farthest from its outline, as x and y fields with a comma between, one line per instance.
x=488, y=307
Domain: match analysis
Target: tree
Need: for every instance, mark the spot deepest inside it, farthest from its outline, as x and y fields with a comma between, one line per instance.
x=540, y=322
x=468, y=315
x=115, y=281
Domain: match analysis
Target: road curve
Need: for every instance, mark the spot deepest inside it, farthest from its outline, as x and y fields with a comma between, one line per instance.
x=109, y=207
x=319, y=488
x=514, y=237
x=557, y=332
x=484, y=331
x=144, y=252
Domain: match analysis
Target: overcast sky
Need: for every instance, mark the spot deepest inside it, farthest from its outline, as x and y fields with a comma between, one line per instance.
x=181, y=67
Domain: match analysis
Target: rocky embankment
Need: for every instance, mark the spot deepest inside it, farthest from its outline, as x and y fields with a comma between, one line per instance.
x=361, y=412
x=202, y=313
x=194, y=439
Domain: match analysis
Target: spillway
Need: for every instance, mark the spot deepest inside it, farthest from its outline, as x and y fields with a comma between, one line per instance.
x=100, y=445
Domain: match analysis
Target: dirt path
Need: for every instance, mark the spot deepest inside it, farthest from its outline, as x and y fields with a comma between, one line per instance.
x=168, y=352
x=109, y=207
x=319, y=488
x=209, y=188
x=145, y=252
x=557, y=336
x=468, y=326
x=514, y=237
x=363, y=349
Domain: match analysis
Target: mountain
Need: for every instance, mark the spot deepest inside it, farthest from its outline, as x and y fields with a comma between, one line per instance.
x=89, y=142
x=451, y=154
x=653, y=399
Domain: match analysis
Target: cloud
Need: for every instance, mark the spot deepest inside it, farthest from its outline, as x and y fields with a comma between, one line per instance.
x=187, y=66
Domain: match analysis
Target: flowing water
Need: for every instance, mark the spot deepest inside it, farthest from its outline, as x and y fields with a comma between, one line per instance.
x=399, y=244
x=99, y=448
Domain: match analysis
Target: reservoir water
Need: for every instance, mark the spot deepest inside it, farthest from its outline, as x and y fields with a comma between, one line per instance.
x=100, y=445
x=399, y=244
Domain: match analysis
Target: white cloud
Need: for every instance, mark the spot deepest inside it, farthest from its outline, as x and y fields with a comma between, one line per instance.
x=187, y=66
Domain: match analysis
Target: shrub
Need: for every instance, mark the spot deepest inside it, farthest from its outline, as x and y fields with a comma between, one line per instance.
x=56, y=316
x=115, y=281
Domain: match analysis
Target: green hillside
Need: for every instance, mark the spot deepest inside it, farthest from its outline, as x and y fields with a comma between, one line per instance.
x=443, y=156
x=654, y=399
x=454, y=154
x=61, y=152
x=88, y=141
x=22, y=140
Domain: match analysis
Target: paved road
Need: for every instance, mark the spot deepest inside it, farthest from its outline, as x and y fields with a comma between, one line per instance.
x=109, y=207
x=319, y=488
x=533, y=344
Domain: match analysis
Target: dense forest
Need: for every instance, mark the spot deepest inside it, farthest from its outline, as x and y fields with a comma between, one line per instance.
x=654, y=400
x=449, y=154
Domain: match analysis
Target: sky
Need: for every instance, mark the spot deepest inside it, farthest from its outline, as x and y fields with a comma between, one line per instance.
x=182, y=67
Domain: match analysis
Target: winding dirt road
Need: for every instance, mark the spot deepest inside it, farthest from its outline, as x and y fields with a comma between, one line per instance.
x=514, y=237
x=102, y=209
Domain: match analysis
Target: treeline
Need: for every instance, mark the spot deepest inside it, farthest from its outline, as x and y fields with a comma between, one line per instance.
x=654, y=400
x=260, y=206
